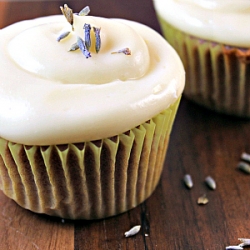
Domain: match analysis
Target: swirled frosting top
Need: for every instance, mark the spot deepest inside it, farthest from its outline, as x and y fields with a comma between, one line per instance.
x=49, y=95
x=225, y=21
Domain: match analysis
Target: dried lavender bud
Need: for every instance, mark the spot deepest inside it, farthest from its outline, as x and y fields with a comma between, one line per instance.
x=85, y=11
x=87, y=29
x=243, y=166
x=68, y=13
x=210, y=182
x=244, y=242
x=62, y=36
x=125, y=51
x=188, y=181
x=134, y=230
x=74, y=47
x=83, y=47
x=203, y=200
x=97, y=39
x=234, y=248
x=245, y=157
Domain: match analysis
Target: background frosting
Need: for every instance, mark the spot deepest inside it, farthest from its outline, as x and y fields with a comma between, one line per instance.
x=40, y=109
x=224, y=21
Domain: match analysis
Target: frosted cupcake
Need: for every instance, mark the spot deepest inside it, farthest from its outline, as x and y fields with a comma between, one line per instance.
x=213, y=41
x=87, y=107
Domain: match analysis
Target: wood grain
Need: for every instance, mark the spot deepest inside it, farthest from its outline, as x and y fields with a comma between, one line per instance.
x=202, y=143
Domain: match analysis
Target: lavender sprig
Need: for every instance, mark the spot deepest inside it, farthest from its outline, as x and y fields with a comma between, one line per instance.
x=83, y=47
x=87, y=29
x=97, y=39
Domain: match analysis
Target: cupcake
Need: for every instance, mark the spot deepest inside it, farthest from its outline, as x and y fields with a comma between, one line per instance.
x=213, y=41
x=87, y=107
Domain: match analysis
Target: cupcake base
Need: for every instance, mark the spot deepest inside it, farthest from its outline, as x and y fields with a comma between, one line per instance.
x=217, y=75
x=90, y=180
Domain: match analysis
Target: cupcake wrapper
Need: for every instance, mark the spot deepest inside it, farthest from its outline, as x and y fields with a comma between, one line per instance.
x=89, y=180
x=217, y=76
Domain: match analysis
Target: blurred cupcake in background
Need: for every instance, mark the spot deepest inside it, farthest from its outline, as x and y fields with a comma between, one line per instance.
x=213, y=40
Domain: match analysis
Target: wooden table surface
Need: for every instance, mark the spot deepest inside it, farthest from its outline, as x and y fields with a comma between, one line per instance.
x=202, y=143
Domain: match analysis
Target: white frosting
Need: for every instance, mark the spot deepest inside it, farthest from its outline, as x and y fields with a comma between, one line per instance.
x=49, y=95
x=225, y=21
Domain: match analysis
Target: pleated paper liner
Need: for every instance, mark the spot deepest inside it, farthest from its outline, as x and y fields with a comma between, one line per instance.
x=217, y=76
x=90, y=180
